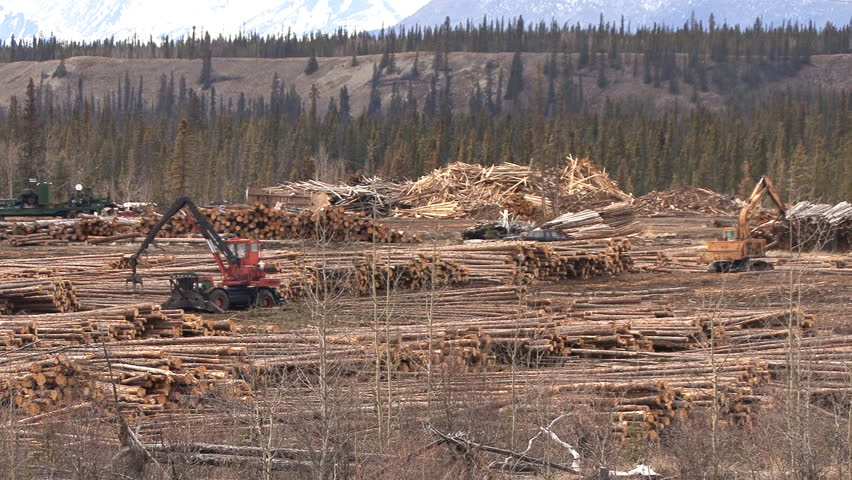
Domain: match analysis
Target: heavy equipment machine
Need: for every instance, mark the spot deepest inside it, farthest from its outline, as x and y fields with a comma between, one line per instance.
x=736, y=253
x=37, y=202
x=244, y=283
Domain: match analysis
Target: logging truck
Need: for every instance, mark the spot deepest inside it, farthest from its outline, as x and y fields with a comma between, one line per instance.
x=244, y=283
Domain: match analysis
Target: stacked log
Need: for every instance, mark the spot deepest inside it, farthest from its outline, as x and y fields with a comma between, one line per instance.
x=41, y=384
x=613, y=220
x=257, y=221
x=106, y=325
x=820, y=226
x=487, y=262
x=38, y=296
x=371, y=273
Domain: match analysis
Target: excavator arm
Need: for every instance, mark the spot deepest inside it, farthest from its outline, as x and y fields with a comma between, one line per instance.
x=216, y=243
x=764, y=187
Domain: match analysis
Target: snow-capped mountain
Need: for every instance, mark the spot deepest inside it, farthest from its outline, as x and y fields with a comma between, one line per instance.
x=637, y=12
x=97, y=19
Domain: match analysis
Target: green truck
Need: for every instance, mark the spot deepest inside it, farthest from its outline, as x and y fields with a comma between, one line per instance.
x=36, y=201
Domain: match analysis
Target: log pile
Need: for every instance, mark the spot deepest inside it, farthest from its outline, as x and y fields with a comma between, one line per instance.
x=257, y=221
x=617, y=219
x=106, y=325
x=262, y=222
x=38, y=296
x=518, y=263
x=527, y=207
x=368, y=273
x=687, y=201
x=820, y=226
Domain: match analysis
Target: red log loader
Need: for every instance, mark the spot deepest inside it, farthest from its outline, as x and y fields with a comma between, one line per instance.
x=244, y=283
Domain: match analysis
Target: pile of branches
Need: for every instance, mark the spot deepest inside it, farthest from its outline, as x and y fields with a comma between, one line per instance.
x=687, y=200
x=371, y=195
x=480, y=189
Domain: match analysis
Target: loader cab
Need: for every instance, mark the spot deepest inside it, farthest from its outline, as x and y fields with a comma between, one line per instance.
x=248, y=251
x=730, y=234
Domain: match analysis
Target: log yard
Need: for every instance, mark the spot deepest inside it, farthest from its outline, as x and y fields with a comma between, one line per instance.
x=238, y=335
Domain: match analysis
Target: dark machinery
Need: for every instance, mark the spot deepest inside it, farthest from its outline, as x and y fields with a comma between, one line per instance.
x=37, y=202
x=244, y=283
x=737, y=251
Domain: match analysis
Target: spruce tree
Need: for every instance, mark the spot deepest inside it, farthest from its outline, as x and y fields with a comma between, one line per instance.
x=345, y=109
x=60, y=71
x=180, y=164
x=206, y=77
x=312, y=66
x=516, y=78
x=31, y=153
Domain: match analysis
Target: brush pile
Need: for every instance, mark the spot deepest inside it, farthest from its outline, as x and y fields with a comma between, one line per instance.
x=687, y=201
x=478, y=189
x=370, y=195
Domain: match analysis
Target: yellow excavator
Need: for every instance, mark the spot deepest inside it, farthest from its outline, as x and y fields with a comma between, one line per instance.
x=738, y=250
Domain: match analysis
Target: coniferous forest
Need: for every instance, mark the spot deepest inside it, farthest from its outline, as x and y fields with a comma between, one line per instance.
x=186, y=139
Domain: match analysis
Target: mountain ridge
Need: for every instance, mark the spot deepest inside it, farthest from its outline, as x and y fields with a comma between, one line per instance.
x=95, y=20
x=647, y=12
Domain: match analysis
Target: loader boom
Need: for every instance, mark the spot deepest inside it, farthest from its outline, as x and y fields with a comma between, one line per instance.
x=217, y=245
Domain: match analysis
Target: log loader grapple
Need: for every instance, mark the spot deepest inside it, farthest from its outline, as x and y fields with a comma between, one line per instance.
x=244, y=283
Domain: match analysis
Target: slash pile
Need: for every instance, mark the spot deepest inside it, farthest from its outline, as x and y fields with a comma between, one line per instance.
x=687, y=200
x=477, y=188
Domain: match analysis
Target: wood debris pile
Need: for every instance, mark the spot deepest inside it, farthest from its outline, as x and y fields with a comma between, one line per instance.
x=477, y=189
x=369, y=195
x=687, y=200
